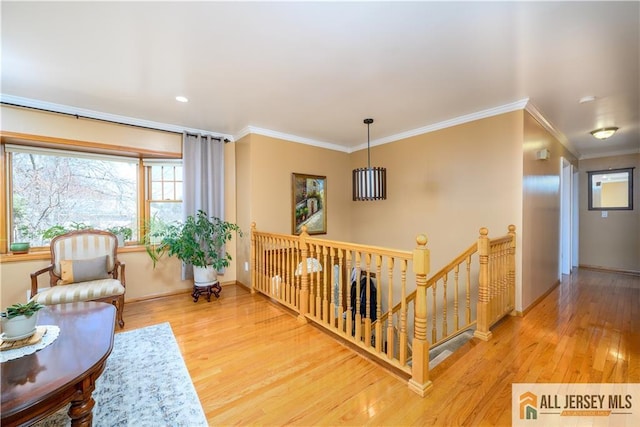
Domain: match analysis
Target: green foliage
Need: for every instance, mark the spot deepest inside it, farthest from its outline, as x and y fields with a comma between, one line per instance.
x=27, y=310
x=125, y=231
x=198, y=241
x=58, y=229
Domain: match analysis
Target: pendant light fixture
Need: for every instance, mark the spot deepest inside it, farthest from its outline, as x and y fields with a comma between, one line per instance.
x=369, y=183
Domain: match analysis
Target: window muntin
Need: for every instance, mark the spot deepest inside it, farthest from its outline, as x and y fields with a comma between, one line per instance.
x=164, y=194
x=49, y=188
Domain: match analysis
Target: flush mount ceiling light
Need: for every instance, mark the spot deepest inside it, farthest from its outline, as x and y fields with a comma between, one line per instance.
x=182, y=99
x=604, y=133
x=369, y=183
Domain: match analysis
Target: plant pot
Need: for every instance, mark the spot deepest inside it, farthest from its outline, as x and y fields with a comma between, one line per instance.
x=19, y=247
x=204, y=276
x=19, y=327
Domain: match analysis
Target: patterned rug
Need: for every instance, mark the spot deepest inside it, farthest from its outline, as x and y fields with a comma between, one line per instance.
x=145, y=383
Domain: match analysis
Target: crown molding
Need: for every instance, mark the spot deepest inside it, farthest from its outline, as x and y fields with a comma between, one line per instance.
x=610, y=154
x=502, y=109
x=91, y=114
x=291, y=138
x=537, y=115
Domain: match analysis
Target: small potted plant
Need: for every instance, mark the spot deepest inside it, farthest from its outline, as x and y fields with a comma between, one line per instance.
x=198, y=241
x=19, y=320
x=122, y=232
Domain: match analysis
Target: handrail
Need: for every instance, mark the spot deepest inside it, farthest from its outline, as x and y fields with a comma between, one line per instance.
x=441, y=273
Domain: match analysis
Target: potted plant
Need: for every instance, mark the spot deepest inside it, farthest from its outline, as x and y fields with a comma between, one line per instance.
x=122, y=232
x=19, y=321
x=199, y=241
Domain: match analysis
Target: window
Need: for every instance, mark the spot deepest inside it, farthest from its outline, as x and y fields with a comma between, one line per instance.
x=610, y=189
x=164, y=192
x=51, y=191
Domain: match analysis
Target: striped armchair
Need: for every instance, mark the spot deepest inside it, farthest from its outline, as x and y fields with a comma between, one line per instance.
x=84, y=267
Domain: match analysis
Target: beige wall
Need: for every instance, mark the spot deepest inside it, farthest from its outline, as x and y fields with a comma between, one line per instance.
x=541, y=211
x=264, y=190
x=142, y=280
x=35, y=122
x=446, y=184
x=612, y=242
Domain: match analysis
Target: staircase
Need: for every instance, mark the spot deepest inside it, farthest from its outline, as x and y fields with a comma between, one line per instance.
x=383, y=301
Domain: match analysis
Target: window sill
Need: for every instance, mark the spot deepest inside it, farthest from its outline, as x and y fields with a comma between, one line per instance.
x=46, y=255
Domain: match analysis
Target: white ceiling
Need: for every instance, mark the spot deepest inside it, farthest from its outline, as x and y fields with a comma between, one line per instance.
x=313, y=71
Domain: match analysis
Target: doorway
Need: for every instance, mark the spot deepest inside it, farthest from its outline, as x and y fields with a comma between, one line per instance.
x=567, y=215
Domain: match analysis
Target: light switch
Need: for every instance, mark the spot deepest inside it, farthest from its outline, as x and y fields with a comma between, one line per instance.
x=605, y=214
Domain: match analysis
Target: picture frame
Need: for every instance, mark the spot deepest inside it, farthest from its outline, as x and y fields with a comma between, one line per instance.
x=308, y=203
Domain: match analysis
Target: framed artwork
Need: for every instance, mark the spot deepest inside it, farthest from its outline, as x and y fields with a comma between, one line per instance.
x=309, y=203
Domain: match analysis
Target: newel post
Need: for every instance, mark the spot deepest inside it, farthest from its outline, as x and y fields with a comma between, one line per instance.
x=482, y=330
x=419, y=381
x=253, y=257
x=304, y=279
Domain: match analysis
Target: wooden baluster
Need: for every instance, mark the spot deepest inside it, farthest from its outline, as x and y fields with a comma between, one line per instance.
x=304, y=277
x=298, y=278
x=341, y=286
x=254, y=250
x=511, y=278
x=403, y=339
x=349, y=327
x=445, y=285
x=290, y=279
x=378, y=334
x=390, y=322
x=503, y=277
x=434, y=308
x=317, y=286
x=482, y=330
x=367, y=305
x=358, y=317
x=268, y=254
x=419, y=381
x=314, y=300
x=334, y=280
x=326, y=278
x=468, y=283
x=456, y=276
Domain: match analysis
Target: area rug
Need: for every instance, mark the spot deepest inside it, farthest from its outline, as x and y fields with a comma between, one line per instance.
x=145, y=383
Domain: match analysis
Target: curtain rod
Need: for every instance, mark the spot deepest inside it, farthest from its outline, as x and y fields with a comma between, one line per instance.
x=78, y=116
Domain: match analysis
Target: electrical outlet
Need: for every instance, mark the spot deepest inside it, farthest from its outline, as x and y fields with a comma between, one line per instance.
x=605, y=214
x=246, y=266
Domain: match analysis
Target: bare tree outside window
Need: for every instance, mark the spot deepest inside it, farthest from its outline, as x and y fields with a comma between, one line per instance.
x=71, y=192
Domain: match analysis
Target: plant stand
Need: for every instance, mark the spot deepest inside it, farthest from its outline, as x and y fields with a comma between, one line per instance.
x=206, y=289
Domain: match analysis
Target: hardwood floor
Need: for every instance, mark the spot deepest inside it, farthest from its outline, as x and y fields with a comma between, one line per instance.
x=253, y=363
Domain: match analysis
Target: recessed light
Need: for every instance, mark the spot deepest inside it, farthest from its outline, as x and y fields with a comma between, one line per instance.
x=182, y=99
x=588, y=98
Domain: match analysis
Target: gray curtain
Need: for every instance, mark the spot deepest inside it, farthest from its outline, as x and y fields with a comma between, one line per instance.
x=203, y=180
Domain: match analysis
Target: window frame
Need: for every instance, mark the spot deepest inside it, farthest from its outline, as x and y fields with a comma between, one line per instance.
x=80, y=149
x=590, y=185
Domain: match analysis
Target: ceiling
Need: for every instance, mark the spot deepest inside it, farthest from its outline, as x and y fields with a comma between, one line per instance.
x=311, y=72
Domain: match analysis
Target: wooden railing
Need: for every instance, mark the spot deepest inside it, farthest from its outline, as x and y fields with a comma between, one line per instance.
x=364, y=295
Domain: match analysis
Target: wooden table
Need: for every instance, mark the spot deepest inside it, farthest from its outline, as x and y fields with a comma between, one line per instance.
x=39, y=384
